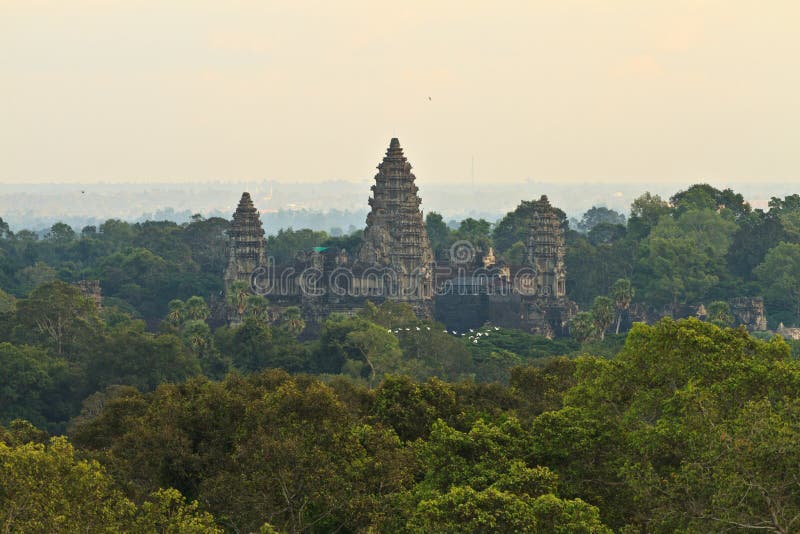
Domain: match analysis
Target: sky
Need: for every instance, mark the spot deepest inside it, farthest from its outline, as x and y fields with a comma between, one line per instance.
x=636, y=91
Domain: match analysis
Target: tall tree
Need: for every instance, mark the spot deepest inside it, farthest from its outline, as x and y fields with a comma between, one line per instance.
x=603, y=314
x=622, y=292
x=779, y=274
x=57, y=316
x=599, y=215
x=583, y=327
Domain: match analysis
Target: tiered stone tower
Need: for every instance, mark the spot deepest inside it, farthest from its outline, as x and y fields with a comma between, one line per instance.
x=395, y=237
x=546, y=250
x=247, y=245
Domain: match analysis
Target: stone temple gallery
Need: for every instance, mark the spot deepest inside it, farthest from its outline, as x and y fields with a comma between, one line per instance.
x=395, y=262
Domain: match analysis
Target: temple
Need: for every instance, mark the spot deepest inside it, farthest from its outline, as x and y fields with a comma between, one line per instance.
x=247, y=247
x=530, y=296
x=395, y=239
x=546, y=309
x=545, y=250
x=395, y=261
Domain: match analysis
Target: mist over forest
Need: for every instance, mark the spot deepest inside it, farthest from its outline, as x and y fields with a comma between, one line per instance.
x=335, y=205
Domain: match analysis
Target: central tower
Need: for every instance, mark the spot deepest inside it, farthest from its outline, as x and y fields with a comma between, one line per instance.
x=247, y=245
x=395, y=238
x=546, y=250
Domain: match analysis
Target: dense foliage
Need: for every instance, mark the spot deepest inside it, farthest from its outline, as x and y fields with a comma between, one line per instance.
x=689, y=428
x=149, y=415
x=700, y=246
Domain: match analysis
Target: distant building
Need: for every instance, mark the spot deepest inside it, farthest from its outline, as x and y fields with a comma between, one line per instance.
x=395, y=261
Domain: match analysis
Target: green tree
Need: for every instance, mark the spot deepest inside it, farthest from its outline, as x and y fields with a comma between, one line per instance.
x=606, y=233
x=5, y=230
x=48, y=489
x=254, y=345
x=237, y=298
x=58, y=317
x=7, y=302
x=706, y=197
x=131, y=356
x=463, y=509
x=719, y=313
x=756, y=235
x=583, y=327
x=646, y=211
x=437, y=230
x=377, y=350
x=176, y=313
x=35, y=275
x=779, y=274
x=684, y=258
x=641, y=435
x=284, y=245
x=515, y=226
x=622, y=292
x=257, y=308
x=291, y=320
x=603, y=314
x=197, y=337
x=28, y=384
x=410, y=408
x=197, y=309
x=166, y=511
x=476, y=481
x=599, y=215
x=475, y=231
x=60, y=234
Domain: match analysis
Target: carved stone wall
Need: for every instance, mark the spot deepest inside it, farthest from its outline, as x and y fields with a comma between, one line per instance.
x=749, y=311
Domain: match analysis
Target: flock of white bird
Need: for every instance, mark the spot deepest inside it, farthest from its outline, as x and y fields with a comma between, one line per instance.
x=472, y=335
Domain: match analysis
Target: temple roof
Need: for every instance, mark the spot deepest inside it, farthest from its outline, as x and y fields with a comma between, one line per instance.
x=245, y=203
x=394, y=152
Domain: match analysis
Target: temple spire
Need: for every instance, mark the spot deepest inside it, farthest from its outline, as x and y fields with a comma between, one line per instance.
x=546, y=250
x=247, y=245
x=395, y=236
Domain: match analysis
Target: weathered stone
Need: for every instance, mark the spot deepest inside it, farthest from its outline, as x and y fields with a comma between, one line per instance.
x=546, y=310
x=395, y=237
x=546, y=250
x=788, y=333
x=749, y=311
x=247, y=247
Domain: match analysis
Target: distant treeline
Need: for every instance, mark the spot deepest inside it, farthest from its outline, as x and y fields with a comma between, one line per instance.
x=702, y=245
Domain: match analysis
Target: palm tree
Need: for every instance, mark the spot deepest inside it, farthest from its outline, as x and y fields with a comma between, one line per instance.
x=292, y=320
x=582, y=327
x=237, y=297
x=197, y=309
x=258, y=308
x=622, y=292
x=176, y=312
x=603, y=314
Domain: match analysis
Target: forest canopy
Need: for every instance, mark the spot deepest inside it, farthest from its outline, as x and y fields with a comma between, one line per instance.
x=145, y=411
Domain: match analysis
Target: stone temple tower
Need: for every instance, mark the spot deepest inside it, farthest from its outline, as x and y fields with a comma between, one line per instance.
x=546, y=250
x=395, y=237
x=247, y=245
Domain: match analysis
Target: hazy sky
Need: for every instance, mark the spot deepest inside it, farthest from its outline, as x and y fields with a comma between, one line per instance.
x=607, y=90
